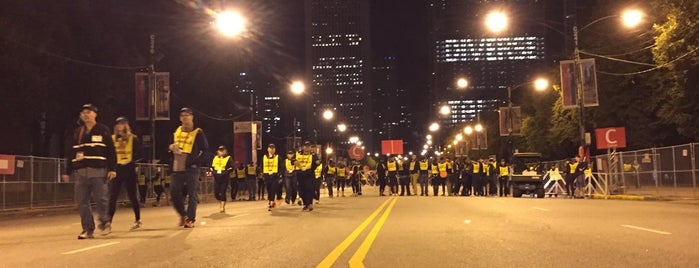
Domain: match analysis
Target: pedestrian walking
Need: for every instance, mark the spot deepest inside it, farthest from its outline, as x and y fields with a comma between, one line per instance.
x=290, y=179
x=128, y=152
x=238, y=182
x=221, y=167
x=318, y=174
x=251, y=180
x=189, y=147
x=414, y=173
x=330, y=174
x=306, y=163
x=271, y=163
x=392, y=167
x=90, y=163
x=504, y=177
x=381, y=176
x=341, y=178
x=404, y=177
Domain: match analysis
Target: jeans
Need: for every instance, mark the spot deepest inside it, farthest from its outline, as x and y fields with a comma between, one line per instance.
x=91, y=183
x=291, y=185
x=404, y=184
x=251, y=184
x=413, y=182
x=424, y=188
x=126, y=176
x=330, y=182
x=190, y=177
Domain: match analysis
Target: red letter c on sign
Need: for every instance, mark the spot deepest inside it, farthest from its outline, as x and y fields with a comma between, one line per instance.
x=607, y=137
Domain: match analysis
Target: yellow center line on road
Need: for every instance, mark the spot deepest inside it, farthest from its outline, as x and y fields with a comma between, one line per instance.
x=357, y=259
x=645, y=229
x=335, y=253
x=89, y=248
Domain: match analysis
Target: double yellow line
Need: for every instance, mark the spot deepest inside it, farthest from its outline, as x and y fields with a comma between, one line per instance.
x=358, y=257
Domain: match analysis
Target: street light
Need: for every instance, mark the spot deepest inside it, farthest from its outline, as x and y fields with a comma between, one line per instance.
x=496, y=21
x=462, y=83
x=329, y=150
x=328, y=114
x=459, y=137
x=478, y=127
x=230, y=23
x=297, y=87
x=341, y=127
x=468, y=130
x=434, y=127
x=429, y=137
x=541, y=84
x=445, y=110
x=632, y=17
x=353, y=139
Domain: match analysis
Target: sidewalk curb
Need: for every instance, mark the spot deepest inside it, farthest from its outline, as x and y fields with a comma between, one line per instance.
x=624, y=197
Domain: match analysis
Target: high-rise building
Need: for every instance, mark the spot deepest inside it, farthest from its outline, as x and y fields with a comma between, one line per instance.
x=392, y=118
x=338, y=67
x=271, y=115
x=465, y=48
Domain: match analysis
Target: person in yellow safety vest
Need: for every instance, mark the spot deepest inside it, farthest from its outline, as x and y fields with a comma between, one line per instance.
x=423, y=173
x=142, y=188
x=290, y=179
x=414, y=173
x=491, y=173
x=465, y=177
x=272, y=166
x=454, y=184
x=404, y=176
x=571, y=174
x=504, y=171
x=392, y=167
x=330, y=173
x=221, y=166
x=478, y=172
x=341, y=178
x=441, y=177
x=158, y=187
x=238, y=181
x=381, y=175
x=128, y=152
x=318, y=174
x=306, y=163
x=251, y=180
x=434, y=173
x=355, y=178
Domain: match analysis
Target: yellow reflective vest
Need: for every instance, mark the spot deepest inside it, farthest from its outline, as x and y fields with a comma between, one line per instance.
x=240, y=173
x=573, y=167
x=124, y=149
x=304, y=161
x=252, y=170
x=341, y=172
x=412, y=165
x=332, y=170
x=219, y=164
x=289, y=167
x=424, y=165
x=504, y=170
x=185, y=140
x=319, y=171
x=392, y=165
x=270, y=165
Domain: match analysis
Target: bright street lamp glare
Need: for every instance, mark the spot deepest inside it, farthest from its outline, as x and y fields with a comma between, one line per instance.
x=459, y=137
x=230, y=23
x=632, y=18
x=328, y=114
x=468, y=130
x=425, y=146
x=353, y=139
x=445, y=110
x=434, y=127
x=297, y=87
x=341, y=127
x=541, y=84
x=429, y=137
x=478, y=127
x=496, y=21
x=462, y=83
x=329, y=150
x=455, y=142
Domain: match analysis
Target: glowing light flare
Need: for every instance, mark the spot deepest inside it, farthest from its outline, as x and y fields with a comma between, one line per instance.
x=541, y=84
x=445, y=110
x=462, y=83
x=478, y=127
x=459, y=137
x=297, y=87
x=468, y=130
x=496, y=21
x=341, y=127
x=434, y=127
x=328, y=114
x=632, y=17
x=230, y=23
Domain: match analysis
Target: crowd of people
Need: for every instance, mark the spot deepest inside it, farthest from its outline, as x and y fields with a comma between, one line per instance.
x=102, y=162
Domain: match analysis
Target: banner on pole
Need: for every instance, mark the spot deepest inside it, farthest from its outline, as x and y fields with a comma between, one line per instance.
x=142, y=97
x=589, y=83
x=162, y=96
x=516, y=121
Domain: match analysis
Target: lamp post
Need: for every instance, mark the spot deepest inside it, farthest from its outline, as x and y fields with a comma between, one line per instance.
x=297, y=88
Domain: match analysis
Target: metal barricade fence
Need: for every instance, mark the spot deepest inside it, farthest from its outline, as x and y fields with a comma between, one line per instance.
x=664, y=172
x=36, y=183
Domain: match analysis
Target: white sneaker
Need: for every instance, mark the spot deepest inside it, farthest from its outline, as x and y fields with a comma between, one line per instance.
x=136, y=225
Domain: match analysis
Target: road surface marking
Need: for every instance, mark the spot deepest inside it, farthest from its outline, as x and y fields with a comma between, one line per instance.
x=90, y=248
x=174, y=234
x=335, y=253
x=542, y=209
x=467, y=221
x=358, y=257
x=645, y=229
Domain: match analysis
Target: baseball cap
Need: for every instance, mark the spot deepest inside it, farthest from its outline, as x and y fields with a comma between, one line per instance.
x=306, y=143
x=186, y=110
x=271, y=145
x=90, y=107
x=221, y=148
x=122, y=119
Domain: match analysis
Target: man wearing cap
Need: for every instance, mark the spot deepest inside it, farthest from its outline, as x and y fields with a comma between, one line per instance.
x=271, y=165
x=128, y=152
x=306, y=163
x=221, y=167
x=290, y=179
x=189, y=146
x=90, y=162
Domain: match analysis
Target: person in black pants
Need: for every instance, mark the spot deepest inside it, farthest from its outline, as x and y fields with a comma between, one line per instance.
x=306, y=163
x=355, y=179
x=381, y=176
x=404, y=176
x=221, y=167
x=272, y=164
x=128, y=151
x=466, y=178
x=341, y=179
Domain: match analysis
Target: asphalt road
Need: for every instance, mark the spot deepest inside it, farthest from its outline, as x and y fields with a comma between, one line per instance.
x=373, y=231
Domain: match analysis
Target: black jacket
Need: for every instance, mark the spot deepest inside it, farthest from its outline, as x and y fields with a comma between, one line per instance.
x=95, y=149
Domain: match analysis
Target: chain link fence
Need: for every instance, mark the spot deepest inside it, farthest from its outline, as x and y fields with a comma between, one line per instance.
x=664, y=172
x=36, y=183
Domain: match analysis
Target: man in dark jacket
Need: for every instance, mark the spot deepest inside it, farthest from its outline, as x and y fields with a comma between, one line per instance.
x=189, y=147
x=90, y=162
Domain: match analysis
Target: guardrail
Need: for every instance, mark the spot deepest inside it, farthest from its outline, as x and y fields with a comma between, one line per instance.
x=36, y=183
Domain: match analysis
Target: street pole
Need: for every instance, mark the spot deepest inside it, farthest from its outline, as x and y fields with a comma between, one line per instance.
x=579, y=87
x=152, y=84
x=510, y=126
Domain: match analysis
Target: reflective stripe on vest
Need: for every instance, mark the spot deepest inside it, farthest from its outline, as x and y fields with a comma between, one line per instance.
x=270, y=165
x=185, y=140
x=219, y=163
x=391, y=166
x=124, y=149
